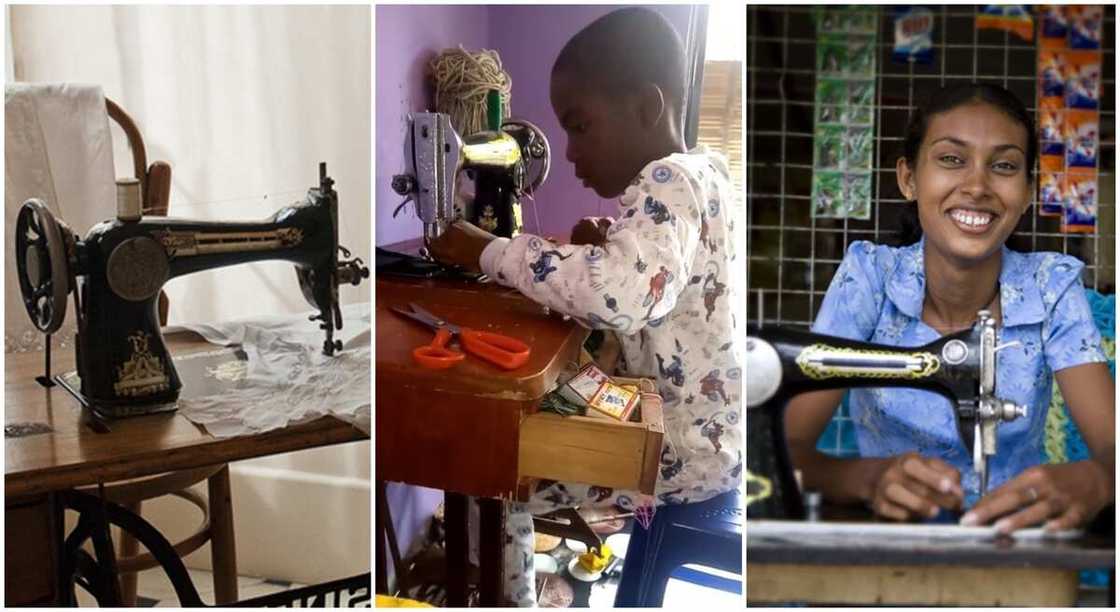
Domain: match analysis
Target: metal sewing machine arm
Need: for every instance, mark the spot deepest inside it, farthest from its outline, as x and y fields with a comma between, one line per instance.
x=782, y=363
x=431, y=156
x=986, y=411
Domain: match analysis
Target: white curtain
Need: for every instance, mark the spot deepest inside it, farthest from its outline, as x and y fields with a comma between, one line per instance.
x=243, y=102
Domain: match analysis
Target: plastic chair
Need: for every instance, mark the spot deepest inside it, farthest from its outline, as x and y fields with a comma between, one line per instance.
x=709, y=533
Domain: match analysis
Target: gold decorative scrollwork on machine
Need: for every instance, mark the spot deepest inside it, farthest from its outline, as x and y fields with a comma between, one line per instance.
x=143, y=373
x=758, y=488
x=821, y=361
x=186, y=243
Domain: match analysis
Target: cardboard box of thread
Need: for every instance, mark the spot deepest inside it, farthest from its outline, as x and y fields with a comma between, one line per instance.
x=592, y=393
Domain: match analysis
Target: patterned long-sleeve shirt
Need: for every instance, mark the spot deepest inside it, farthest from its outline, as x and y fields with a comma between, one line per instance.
x=662, y=282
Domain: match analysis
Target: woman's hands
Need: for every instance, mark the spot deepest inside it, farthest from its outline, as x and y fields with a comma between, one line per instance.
x=913, y=487
x=1064, y=495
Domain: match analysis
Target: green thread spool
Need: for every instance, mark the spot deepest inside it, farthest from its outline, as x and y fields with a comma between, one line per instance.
x=494, y=110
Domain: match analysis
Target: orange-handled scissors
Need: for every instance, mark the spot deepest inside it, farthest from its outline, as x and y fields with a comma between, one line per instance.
x=503, y=351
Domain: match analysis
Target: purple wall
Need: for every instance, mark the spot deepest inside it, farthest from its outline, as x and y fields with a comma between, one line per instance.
x=527, y=38
x=411, y=507
x=406, y=38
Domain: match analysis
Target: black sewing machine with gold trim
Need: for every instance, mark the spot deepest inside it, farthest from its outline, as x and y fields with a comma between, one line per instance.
x=118, y=270
x=506, y=163
x=782, y=363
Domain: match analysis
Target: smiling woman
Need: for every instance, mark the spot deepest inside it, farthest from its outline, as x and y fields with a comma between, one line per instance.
x=966, y=166
x=1013, y=159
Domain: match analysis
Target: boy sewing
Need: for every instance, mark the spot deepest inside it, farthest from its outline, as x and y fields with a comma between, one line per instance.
x=658, y=276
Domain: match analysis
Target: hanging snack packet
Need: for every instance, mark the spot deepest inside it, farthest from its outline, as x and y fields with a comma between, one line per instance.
x=1085, y=26
x=1082, y=137
x=1052, y=79
x=913, y=35
x=1051, y=194
x=1052, y=136
x=862, y=115
x=862, y=20
x=857, y=195
x=832, y=96
x=844, y=115
x=1083, y=79
x=1013, y=18
x=858, y=148
x=828, y=194
x=861, y=56
x=831, y=20
x=829, y=153
x=861, y=92
x=1054, y=27
x=1080, y=214
x=832, y=56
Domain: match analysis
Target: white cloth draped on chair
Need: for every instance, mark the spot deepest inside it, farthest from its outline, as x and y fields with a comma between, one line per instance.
x=57, y=147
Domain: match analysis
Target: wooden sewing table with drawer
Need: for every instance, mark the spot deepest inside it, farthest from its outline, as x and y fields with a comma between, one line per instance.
x=473, y=429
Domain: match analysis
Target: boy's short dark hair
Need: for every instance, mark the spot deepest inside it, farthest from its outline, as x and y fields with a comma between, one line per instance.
x=627, y=48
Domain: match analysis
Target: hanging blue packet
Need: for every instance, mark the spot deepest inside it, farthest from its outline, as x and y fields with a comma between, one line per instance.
x=913, y=35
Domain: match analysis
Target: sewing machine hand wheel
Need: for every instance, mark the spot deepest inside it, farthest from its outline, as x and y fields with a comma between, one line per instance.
x=42, y=265
x=534, y=144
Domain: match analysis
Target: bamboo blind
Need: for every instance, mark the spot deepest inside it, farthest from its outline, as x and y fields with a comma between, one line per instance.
x=721, y=118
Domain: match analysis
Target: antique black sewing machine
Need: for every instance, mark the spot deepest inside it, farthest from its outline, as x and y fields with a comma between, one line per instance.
x=118, y=270
x=506, y=164
x=782, y=363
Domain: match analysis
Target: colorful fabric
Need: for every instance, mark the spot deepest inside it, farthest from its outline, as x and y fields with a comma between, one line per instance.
x=1063, y=440
x=877, y=296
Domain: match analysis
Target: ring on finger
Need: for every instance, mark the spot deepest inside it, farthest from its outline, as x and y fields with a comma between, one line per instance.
x=1033, y=493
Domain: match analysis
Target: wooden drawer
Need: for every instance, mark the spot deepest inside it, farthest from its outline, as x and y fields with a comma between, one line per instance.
x=595, y=451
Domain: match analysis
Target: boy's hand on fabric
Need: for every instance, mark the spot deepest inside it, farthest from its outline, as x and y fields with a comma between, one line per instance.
x=1064, y=495
x=914, y=487
x=461, y=245
x=591, y=230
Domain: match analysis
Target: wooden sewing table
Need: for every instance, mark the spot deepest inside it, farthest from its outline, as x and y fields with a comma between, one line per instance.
x=71, y=454
x=853, y=569
x=473, y=429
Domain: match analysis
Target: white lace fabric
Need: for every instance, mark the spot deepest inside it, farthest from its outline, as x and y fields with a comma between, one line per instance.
x=289, y=380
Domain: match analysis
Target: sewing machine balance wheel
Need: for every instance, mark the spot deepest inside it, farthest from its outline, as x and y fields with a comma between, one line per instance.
x=534, y=145
x=43, y=264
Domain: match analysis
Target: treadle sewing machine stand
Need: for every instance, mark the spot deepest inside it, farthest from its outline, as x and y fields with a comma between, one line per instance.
x=97, y=572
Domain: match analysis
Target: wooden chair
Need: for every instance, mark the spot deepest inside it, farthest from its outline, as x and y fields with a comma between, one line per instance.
x=217, y=511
